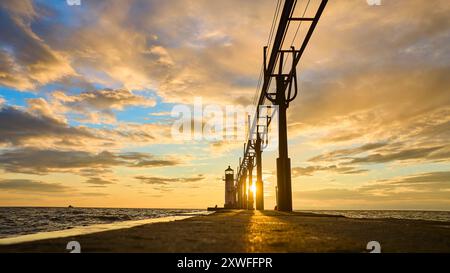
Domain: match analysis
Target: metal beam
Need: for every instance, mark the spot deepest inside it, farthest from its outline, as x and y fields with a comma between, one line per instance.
x=250, y=202
x=259, y=182
x=284, y=81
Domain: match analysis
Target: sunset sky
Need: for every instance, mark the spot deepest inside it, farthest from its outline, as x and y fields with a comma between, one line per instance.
x=86, y=93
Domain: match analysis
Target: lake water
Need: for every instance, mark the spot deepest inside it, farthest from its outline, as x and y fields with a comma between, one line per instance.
x=16, y=221
x=442, y=216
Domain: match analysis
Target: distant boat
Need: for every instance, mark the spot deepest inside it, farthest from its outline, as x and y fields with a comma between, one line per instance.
x=70, y=206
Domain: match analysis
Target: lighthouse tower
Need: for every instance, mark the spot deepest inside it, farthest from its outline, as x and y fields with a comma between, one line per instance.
x=230, y=191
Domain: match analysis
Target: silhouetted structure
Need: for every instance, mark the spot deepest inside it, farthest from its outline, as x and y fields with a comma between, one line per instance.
x=250, y=202
x=286, y=90
x=230, y=190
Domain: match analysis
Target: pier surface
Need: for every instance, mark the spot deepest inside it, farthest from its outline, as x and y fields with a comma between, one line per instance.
x=259, y=231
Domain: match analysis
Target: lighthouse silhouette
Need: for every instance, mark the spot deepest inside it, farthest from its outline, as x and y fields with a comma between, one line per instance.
x=230, y=190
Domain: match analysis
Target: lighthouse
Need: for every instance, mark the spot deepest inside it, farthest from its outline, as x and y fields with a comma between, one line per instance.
x=230, y=190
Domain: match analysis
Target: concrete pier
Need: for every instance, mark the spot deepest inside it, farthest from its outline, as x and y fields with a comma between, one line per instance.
x=260, y=231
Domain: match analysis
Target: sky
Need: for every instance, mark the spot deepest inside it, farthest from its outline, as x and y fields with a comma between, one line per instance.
x=86, y=94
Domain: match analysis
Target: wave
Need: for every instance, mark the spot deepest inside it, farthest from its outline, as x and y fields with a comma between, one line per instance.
x=22, y=221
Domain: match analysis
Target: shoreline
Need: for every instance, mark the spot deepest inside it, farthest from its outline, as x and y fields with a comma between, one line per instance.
x=96, y=228
x=258, y=231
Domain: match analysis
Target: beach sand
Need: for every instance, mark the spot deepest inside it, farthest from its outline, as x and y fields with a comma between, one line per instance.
x=259, y=231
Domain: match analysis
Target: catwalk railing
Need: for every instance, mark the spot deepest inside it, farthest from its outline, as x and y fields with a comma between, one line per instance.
x=285, y=91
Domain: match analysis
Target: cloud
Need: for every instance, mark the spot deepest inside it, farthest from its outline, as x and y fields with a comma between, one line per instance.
x=44, y=161
x=340, y=136
x=432, y=181
x=155, y=163
x=97, y=106
x=186, y=51
x=98, y=181
x=141, y=45
x=34, y=161
x=155, y=180
x=26, y=60
x=41, y=125
x=331, y=156
x=40, y=107
x=408, y=154
x=377, y=79
x=147, y=160
x=373, y=115
x=18, y=126
x=93, y=194
x=147, y=133
x=311, y=170
x=27, y=185
x=412, y=191
x=385, y=153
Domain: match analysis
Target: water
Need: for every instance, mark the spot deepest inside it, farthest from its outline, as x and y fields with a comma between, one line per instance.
x=29, y=220
x=442, y=216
